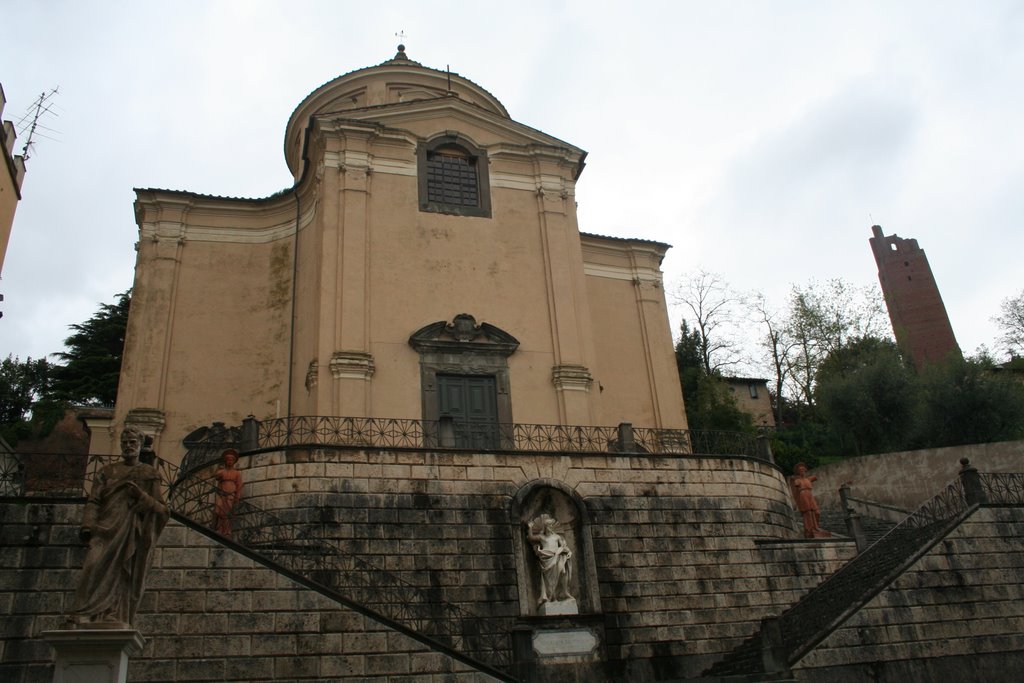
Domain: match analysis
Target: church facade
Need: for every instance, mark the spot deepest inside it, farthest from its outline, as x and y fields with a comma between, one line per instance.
x=426, y=264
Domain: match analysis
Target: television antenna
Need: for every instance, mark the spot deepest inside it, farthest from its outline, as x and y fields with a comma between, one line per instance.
x=36, y=111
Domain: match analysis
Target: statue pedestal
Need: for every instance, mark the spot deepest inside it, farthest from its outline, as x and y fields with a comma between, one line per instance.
x=553, y=607
x=94, y=655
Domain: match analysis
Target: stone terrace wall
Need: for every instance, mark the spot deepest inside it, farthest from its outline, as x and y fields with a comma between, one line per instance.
x=689, y=554
x=681, y=580
x=957, y=614
x=909, y=478
x=209, y=614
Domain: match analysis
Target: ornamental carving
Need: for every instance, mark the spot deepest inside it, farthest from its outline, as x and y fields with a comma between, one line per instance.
x=149, y=421
x=463, y=335
x=352, y=365
x=571, y=377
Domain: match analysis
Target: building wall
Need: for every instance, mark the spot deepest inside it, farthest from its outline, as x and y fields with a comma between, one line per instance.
x=631, y=333
x=956, y=614
x=12, y=172
x=208, y=332
x=918, y=316
x=759, y=407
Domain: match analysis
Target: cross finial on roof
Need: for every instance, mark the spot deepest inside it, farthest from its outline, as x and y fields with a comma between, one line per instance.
x=401, y=45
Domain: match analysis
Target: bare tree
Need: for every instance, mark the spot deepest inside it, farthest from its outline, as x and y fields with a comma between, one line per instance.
x=777, y=344
x=711, y=306
x=1011, y=323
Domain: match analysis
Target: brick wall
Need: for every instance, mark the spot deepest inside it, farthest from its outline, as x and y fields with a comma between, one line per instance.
x=956, y=614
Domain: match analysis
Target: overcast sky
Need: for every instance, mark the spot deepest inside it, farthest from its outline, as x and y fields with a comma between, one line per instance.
x=761, y=139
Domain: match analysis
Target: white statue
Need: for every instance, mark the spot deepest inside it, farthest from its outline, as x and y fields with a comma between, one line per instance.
x=554, y=556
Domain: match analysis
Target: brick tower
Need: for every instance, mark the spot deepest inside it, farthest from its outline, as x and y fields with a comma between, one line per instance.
x=918, y=315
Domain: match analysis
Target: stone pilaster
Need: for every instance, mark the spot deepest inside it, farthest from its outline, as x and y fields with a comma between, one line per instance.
x=352, y=371
x=572, y=382
x=352, y=365
x=149, y=421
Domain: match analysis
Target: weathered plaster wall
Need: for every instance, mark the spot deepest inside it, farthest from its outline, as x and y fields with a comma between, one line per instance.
x=910, y=478
x=957, y=614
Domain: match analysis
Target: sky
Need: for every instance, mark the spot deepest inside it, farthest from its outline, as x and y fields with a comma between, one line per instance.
x=760, y=139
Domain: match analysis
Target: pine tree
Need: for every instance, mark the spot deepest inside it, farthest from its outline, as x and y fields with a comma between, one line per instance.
x=92, y=362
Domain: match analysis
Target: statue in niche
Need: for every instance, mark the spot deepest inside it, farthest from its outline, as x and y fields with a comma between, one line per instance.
x=123, y=518
x=801, y=485
x=554, y=557
x=229, y=492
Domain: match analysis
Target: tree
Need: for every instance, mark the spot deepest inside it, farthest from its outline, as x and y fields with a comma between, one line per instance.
x=22, y=383
x=1011, y=323
x=24, y=391
x=712, y=306
x=709, y=403
x=965, y=402
x=868, y=395
x=821, y=320
x=777, y=345
x=92, y=361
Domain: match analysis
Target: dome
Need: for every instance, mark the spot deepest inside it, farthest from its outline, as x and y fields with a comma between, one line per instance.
x=395, y=81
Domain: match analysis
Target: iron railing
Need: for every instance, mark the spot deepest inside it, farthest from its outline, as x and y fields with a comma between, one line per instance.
x=299, y=548
x=317, y=431
x=1003, y=487
x=305, y=550
x=824, y=608
x=805, y=624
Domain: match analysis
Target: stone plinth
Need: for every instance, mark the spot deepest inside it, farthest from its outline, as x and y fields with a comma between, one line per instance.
x=93, y=655
x=553, y=607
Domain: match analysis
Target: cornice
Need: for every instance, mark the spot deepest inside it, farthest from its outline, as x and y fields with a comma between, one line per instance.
x=155, y=225
x=597, y=239
x=631, y=273
x=428, y=109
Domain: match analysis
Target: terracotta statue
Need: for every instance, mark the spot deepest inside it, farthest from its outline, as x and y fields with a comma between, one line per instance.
x=229, y=492
x=801, y=486
x=554, y=556
x=123, y=517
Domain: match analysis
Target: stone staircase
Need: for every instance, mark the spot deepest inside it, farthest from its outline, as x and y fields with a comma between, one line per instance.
x=834, y=521
x=782, y=641
x=300, y=553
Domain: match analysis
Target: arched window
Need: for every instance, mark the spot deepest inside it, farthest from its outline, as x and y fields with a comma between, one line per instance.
x=453, y=177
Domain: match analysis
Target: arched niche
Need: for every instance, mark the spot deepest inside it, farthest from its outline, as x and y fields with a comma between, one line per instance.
x=551, y=497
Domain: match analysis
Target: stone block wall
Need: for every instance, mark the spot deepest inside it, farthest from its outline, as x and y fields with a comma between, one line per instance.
x=209, y=614
x=689, y=554
x=956, y=614
x=680, y=578
x=909, y=478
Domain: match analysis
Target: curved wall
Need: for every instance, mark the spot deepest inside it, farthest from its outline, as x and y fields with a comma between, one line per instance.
x=674, y=552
